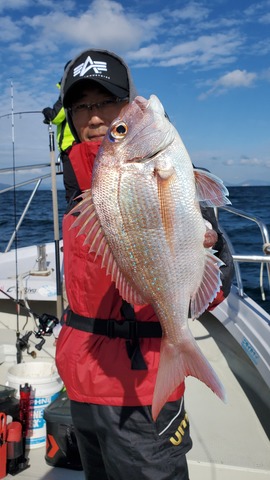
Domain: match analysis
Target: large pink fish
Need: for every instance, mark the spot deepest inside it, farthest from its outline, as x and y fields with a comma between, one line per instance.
x=143, y=216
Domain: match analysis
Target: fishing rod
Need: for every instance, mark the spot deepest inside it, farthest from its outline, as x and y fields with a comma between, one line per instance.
x=20, y=113
x=45, y=327
x=19, y=350
x=59, y=298
x=25, y=167
x=46, y=323
x=20, y=302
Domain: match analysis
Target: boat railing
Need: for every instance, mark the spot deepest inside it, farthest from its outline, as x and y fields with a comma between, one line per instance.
x=263, y=260
x=37, y=182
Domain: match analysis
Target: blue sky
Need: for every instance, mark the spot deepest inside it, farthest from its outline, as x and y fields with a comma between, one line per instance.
x=208, y=61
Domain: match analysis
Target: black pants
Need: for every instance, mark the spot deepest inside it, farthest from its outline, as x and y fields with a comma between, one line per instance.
x=123, y=443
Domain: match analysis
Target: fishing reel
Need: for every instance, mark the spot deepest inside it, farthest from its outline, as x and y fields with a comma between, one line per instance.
x=47, y=323
x=45, y=327
x=22, y=343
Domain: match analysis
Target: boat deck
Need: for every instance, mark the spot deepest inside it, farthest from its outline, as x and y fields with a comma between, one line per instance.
x=230, y=441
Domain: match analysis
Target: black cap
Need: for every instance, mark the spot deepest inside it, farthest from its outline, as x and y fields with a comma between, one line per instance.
x=99, y=66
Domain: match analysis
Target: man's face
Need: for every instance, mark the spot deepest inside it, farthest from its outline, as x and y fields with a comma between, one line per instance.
x=91, y=124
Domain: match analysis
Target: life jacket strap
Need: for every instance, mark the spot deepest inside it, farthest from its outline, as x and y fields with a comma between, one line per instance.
x=129, y=329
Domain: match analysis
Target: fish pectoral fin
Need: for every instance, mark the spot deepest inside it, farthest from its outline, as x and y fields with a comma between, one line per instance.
x=166, y=202
x=89, y=225
x=177, y=362
x=209, y=287
x=211, y=191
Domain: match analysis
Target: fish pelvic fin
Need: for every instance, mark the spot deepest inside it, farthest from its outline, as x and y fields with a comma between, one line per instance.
x=209, y=287
x=89, y=225
x=176, y=363
x=211, y=191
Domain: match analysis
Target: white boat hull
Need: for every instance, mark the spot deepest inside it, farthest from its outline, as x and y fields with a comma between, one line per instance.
x=33, y=284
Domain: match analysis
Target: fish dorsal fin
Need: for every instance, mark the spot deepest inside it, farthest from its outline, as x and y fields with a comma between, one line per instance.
x=209, y=287
x=89, y=225
x=211, y=191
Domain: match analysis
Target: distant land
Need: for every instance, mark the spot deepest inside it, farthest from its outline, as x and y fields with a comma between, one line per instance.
x=250, y=183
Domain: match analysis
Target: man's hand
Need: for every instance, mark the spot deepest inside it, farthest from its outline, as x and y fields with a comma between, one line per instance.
x=47, y=112
x=210, y=238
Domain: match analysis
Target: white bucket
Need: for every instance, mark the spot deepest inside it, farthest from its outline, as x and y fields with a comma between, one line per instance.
x=45, y=387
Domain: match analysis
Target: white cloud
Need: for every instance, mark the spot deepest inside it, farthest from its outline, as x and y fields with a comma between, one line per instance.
x=259, y=11
x=246, y=161
x=256, y=8
x=250, y=161
x=104, y=24
x=261, y=48
x=235, y=79
x=229, y=162
x=9, y=31
x=205, y=51
x=265, y=18
x=193, y=11
x=14, y=4
x=150, y=39
x=146, y=40
x=20, y=5
x=254, y=162
x=266, y=75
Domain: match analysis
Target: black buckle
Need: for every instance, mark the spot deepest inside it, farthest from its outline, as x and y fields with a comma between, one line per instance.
x=127, y=329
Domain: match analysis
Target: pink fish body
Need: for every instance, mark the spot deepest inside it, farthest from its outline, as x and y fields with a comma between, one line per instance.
x=143, y=216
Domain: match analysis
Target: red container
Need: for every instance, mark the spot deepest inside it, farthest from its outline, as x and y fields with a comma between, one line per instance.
x=3, y=445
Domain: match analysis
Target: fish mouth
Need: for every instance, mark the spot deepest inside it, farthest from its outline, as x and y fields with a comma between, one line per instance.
x=156, y=106
x=150, y=156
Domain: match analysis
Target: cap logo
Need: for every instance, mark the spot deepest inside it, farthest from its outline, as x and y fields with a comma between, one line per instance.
x=89, y=64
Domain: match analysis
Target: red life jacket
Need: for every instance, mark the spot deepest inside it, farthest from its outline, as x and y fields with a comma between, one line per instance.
x=95, y=368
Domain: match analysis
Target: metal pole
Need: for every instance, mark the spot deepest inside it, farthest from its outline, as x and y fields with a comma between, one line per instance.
x=59, y=302
x=19, y=352
x=22, y=217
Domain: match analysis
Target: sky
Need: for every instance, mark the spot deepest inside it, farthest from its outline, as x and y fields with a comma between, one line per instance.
x=208, y=62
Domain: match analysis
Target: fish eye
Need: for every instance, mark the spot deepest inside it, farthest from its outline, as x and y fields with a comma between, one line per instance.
x=118, y=131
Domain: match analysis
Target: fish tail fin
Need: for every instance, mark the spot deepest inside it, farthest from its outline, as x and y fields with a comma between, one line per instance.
x=176, y=363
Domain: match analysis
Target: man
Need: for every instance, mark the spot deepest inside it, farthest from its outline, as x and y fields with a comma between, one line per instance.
x=110, y=374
